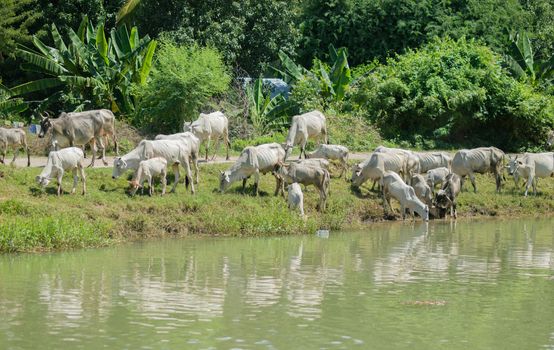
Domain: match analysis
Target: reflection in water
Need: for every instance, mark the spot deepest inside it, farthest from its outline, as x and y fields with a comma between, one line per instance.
x=276, y=292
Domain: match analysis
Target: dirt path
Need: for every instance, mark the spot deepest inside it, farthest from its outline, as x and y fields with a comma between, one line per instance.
x=38, y=162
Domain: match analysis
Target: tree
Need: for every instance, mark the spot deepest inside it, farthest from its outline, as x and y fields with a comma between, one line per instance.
x=16, y=17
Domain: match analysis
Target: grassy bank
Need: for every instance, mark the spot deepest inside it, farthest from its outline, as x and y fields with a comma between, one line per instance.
x=33, y=220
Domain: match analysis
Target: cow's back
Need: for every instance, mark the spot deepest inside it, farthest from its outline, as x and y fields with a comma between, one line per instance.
x=543, y=163
x=269, y=155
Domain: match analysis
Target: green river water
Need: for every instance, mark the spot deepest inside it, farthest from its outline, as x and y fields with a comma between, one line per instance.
x=470, y=285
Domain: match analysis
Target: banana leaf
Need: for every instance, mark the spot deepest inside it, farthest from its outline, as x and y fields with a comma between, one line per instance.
x=36, y=85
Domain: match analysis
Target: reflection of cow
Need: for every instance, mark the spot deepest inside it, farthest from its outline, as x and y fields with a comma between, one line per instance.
x=80, y=129
x=481, y=160
x=16, y=139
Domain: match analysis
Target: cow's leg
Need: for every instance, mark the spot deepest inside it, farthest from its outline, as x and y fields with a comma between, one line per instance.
x=103, y=148
x=207, y=146
x=15, y=153
x=75, y=180
x=472, y=179
x=256, y=181
x=186, y=164
x=93, y=147
x=83, y=178
x=28, y=154
x=227, y=142
x=164, y=182
x=59, y=179
x=529, y=182
x=216, y=148
x=279, y=186
x=194, y=160
x=84, y=150
x=176, y=172
x=302, y=150
x=116, y=145
x=150, y=188
x=4, y=151
x=244, y=184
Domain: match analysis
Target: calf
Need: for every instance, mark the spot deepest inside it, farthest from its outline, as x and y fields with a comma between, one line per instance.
x=436, y=177
x=306, y=175
x=332, y=152
x=295, y=198
x=16, y=139
x=58, y=162
x=532, y=166
x=191, y=143
x=374, y=167
x=422, y=189
x=394, y=186
x=146, y=171
x=446, y=197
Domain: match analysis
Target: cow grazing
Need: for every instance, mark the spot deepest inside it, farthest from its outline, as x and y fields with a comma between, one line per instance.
x=332, y=152
x=532, y=166
x=375, y=166
x=256, y=160
x=394, y=186
x=311, y=125
x=307, y=175
x=410, y=163
x=422, y=189
x=212, y=126
x=432, y=160
x=446, y=197
x=192, y=143
x=436, y=176
x=80, y=129
x=14, y=138
x=295, y=198
x=173, y=151
x=481, y=160
x=58, y=162
x=146, y=171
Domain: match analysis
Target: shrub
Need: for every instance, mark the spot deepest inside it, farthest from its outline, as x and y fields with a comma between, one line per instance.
x=454, y=92
x=184, y=78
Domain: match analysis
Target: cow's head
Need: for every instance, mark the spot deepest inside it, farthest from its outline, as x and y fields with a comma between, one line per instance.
x=513, y=165
x=224, y=180
x=356, y=178
x=288, y=149
x=45, y=125
x=119, y=167
x=550, y=140
x=442, y=200
x=42, y=180
x=134, y=186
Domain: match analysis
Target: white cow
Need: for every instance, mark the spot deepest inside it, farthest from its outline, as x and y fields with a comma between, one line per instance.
x=410, y=162
x=375, y=166
x=480, y=160
x=58, y=162
x=311, y=125
x=307, y=175
x=332, y=152
x=532, y=166
x=173, y=151
x=446, y=196
x=394, y=186
x=436, y=177
x=146, y=171
x=254, y=160
x=320, y=162
x=432, y=160
x=422, y=189
x=550, y=140
x=295, y=198
x=192, y=143
x=212, y=126
x=14, y=138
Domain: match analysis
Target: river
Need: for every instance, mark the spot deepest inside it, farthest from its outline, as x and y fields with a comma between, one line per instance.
x=469, y=285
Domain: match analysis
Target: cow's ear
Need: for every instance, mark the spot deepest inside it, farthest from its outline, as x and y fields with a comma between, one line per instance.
x=221, y=172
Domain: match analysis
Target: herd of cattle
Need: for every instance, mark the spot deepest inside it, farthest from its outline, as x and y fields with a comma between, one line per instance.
x=410, y=177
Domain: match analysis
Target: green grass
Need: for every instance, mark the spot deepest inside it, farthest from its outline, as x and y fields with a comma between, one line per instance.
x=32, y=219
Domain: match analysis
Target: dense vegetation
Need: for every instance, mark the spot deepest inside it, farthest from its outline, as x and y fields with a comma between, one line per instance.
x=428, y=73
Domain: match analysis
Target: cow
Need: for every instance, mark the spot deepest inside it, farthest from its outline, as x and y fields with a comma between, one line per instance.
x=295, y=198
x=436, y=176
x=550, y=140
x=320, y=162
x=306, y=175
x=532, y=166
x=375, y=166
x=446, y=197
x=254, y=160
x=58, y=162
x=481, y=160
x=410, y=164
x=173, y=151
x=311, y=125
x=432, y=160
x=191, y=142
x=332, y=152
x=422, y=189
x=212, y=126
x=80, y=129
x=393, y=186
x=14, y=138
x=146, y=171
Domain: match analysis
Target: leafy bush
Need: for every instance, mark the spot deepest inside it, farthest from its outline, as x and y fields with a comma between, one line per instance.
x=183, y=80
x=455, y=92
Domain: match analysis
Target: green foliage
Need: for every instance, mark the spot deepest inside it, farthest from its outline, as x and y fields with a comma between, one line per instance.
x=9, y=105
x=456, y=92
x=183, y=80
x=266, y=113
x=16, y=18
x=97, y=70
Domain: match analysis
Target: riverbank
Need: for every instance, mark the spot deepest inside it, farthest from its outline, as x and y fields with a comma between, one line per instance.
x=35, y=220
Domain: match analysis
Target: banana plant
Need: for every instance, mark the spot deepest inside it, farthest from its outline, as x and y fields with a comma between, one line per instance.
x=98, y=67
x=524, y=65
x=266, y=114
x=8, y=104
